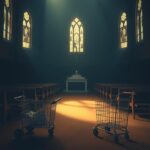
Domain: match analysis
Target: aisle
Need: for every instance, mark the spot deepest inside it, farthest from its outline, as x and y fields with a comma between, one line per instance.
x=75, y=118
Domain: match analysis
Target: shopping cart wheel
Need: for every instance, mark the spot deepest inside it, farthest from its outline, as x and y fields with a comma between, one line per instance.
x=51, y=132
x=95, y=131
x=29, y=130
x=126, y=135
x=18, y=134
x=116, y=138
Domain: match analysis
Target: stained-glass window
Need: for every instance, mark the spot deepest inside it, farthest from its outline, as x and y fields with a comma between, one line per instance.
x=7, y=27
x=76, y=36
x=139, y=21
x=123, y=31
x=26, y=35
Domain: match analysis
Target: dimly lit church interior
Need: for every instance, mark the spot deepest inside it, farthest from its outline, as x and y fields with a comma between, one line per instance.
x=75, y=74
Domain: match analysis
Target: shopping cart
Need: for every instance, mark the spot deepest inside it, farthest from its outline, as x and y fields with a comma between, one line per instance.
x=112, y=117
x=36, y=114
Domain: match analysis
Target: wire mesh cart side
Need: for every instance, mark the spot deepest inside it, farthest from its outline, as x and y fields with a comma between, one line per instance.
x=36, y=114
x=112, y=117
x=52, y=114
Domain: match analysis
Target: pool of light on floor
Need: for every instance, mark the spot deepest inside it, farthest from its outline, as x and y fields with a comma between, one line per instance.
x=83, y=110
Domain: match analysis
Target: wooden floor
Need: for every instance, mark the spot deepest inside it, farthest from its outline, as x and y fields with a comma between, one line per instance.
x=75, y=118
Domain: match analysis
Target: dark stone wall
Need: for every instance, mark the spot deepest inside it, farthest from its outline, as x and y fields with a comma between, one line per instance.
x=49, y=59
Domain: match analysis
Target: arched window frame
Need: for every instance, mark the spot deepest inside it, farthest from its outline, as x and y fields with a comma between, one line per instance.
x=123, y=27
x=7, y=24
x=139, y=21
x=76, y=34
x=26, y=44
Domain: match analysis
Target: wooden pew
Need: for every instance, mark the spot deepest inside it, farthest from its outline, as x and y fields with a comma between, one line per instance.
x=33, y=91
x=109, y=91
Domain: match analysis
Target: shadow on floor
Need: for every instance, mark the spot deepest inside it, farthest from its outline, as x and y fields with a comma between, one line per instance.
x=35, y=143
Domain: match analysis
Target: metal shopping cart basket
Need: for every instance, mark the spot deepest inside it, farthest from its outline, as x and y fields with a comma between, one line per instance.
x=112, y=117
x=36, y=114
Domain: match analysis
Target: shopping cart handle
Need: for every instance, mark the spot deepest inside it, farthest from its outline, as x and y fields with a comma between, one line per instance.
x=56, y=100
x=19, y=97
x=130, y=93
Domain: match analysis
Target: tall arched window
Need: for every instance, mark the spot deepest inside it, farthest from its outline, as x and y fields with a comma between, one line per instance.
x=139, y=21
x=123, y=31
x=7, y=27
x=76, y=36
x=26, y=33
